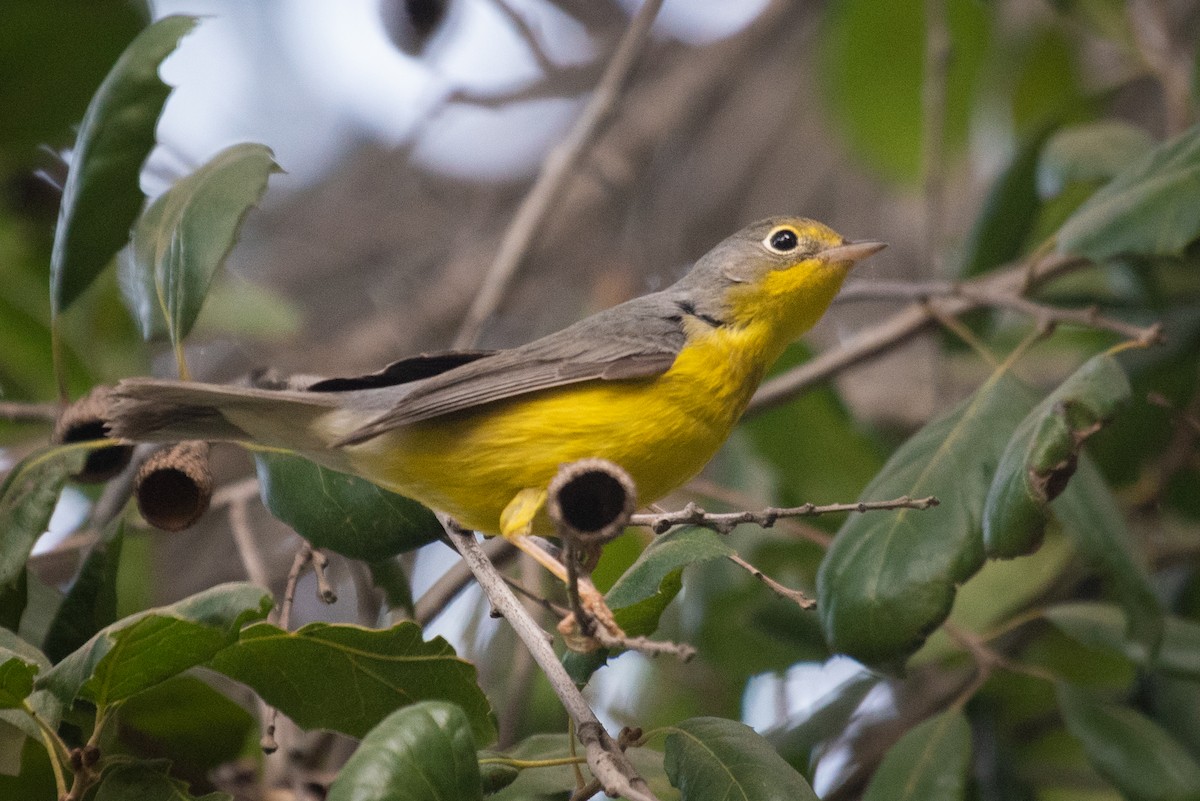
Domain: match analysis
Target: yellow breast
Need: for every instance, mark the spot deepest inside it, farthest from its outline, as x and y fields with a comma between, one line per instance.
x=661, y=430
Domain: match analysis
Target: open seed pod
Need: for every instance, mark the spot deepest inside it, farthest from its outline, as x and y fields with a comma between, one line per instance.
x=84, y=420
x=174, y=486
x=591, y=500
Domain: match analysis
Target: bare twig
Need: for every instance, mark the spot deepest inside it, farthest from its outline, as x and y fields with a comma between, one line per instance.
x=247, y=548
x=906, y=324
x=605, y=758
x=723, y=523
x=787, y=593
x=456, y=579
x=558, y=165
x=16, y=412
x=304, y=556
x=713, y=491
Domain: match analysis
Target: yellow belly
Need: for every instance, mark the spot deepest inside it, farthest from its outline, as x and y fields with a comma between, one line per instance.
x=661, y=430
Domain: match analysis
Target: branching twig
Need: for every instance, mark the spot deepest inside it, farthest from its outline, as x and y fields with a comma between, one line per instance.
x=788, y=594
x=906, y=324
x=606, y=760
x=723, y=523
x=456, y=579
x=561, y=161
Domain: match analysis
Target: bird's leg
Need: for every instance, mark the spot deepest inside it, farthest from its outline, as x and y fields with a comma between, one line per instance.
x=516, y=525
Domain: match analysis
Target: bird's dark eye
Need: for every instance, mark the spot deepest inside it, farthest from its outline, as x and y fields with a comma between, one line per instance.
x=784, y=240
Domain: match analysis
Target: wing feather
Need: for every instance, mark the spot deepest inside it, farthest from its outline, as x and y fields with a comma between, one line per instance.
x=638, y=339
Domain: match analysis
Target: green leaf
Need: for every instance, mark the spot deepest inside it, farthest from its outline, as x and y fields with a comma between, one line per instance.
x=16, y=678
x=714, y=759
x=184, y=237
x=1009, y=212
x=423, y=752
x=872, y=60
x=27, y=500
x=1044, y=452
x=1089, y=513
x=187, y=721
x=640, y=596
x=1103, y=626
x=1084, y=154
x=348, y=678
x=344, y=513
x=146, y=781
x=142, y=650
x=929, y=763
x=889, y=579
x=101, y=197
x=1130, y=750
x=1152, y=208
x=91, y=603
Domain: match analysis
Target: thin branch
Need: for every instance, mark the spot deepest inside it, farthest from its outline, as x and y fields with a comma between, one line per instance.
x=605, y=758
x=904, y=325
x=723, y=523
x=455, y=580
x=561, y=161
x=787, y=593
x=16, y=412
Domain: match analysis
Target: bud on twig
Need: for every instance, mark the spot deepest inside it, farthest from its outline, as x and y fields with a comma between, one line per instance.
x=84, y=421
x=174, y=486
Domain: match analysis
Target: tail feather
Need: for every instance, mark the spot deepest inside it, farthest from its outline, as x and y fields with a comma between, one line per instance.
x=154, y=410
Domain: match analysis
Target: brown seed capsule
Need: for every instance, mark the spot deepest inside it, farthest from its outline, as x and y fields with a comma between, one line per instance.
x=174, y=486
x=84, y=421
x=591, y=500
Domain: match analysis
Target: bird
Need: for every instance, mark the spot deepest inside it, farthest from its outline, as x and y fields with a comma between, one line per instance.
x=655, y=385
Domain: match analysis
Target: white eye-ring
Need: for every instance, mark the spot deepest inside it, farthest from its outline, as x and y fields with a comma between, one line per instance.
x=782, y=240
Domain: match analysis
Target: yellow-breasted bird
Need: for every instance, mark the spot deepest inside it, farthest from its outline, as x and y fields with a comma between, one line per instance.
x=654, y=385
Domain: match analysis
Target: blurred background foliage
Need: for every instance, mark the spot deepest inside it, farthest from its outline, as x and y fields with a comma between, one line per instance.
x=962, y=132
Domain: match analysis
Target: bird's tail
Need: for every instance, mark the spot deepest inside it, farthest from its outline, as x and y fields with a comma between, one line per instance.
x=155, y=410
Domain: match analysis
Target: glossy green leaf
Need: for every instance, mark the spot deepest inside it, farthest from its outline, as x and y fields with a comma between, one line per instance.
x=91, y=603
x=15, y=724
x=889, y=579
x=16, y=678
x=184, y=237
x=1089, y=513
x=146, y=781
x=101, y=198
x=140, y=651
x=27, y=500
x=929, y=763
x=640, y=596
x=1088, y=153
x=187, y=721
x=1130, y=750
x=1152, y=208
x=1001, y=589
x=714, y=759
x=348, y=678
x=344, y=513
x=1009, y=212
x=1043, y=453
x=423, y=752
x=872, y=58
x=1104, y=626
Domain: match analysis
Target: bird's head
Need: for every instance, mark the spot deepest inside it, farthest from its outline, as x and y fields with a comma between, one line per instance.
x=780, y=273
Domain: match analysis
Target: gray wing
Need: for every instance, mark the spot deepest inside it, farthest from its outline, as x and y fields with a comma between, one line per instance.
x=638, y=339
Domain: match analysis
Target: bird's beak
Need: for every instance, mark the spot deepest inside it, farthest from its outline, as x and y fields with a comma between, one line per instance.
x=852, y=251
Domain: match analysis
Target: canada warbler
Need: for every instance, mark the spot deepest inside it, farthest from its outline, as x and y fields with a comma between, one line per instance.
x=655, y=385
